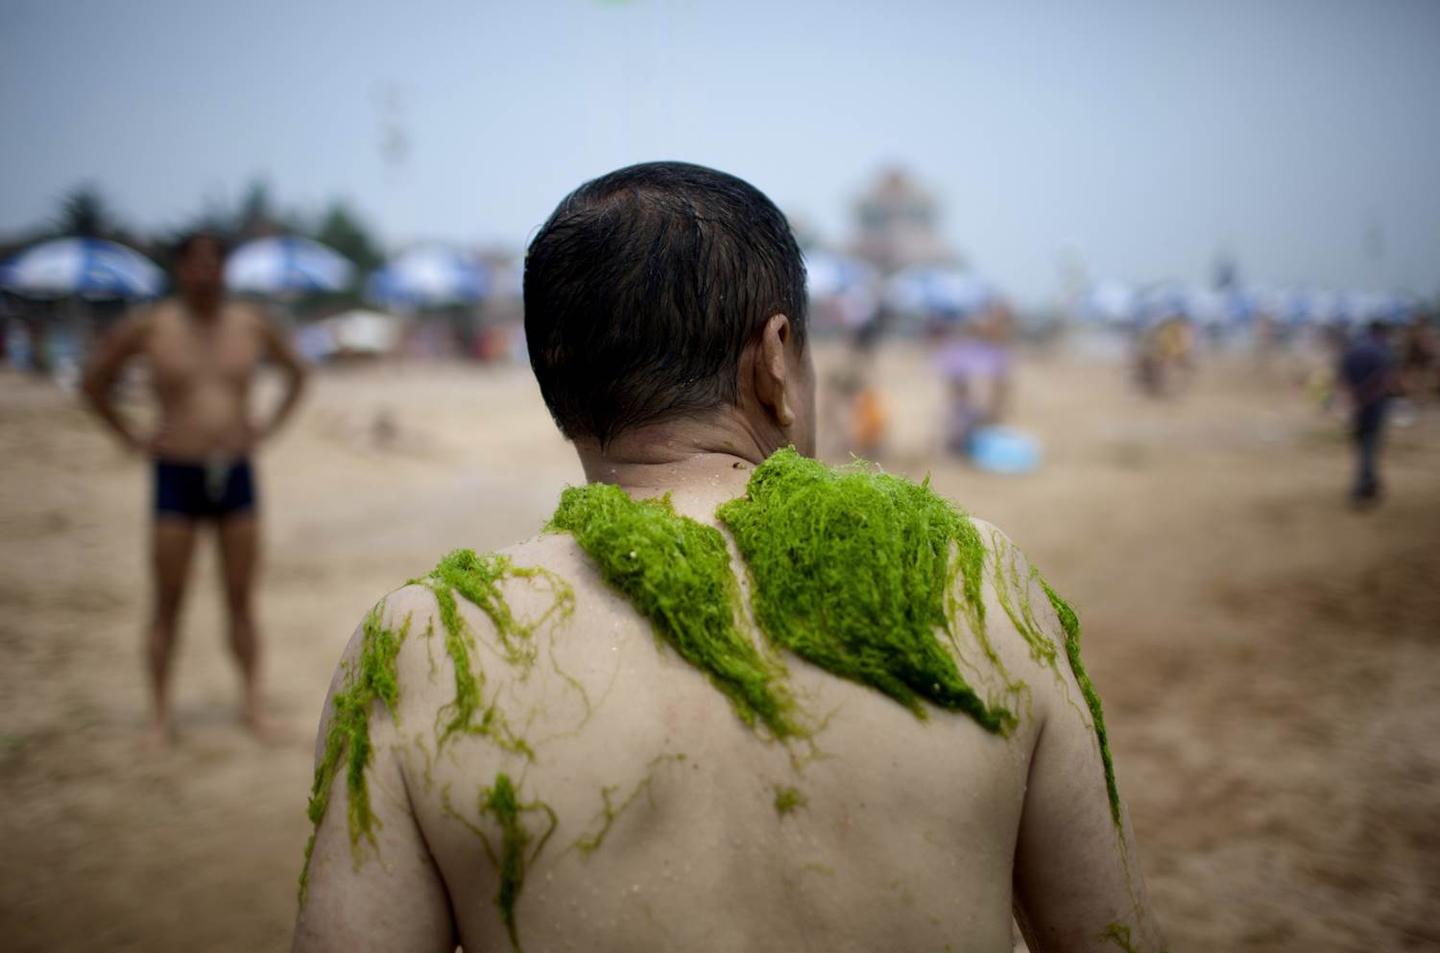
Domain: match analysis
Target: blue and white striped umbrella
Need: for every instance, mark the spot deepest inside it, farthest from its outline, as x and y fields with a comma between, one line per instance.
x=272, y=266
x=939, y=292
x=828, y=275
x=90, y=267
x=429, y=276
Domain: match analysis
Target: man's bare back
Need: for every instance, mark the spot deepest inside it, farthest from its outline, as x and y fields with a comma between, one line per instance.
x=649, y=816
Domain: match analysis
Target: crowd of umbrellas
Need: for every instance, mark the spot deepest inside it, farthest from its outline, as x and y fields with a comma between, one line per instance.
x=436, y=275
x=426, y=276
x=282, y=268
x=1119, y=304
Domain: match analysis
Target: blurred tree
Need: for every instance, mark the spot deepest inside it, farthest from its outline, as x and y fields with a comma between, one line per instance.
x=343, y=230
x=256, y=215
x=84, y=212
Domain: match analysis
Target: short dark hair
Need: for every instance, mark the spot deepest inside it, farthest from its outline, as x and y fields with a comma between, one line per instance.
x=645, y=287
x=187, y=240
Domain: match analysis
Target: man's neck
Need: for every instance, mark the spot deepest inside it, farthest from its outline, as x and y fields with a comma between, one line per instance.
x=694, y=461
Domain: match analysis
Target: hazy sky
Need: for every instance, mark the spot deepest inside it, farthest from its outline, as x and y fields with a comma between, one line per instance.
x=1136, y=138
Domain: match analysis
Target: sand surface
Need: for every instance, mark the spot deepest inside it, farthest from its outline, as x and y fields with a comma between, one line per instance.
x=1270, y=661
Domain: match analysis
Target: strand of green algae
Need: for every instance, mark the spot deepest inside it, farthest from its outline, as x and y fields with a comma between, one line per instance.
x=501, y=802
x=373, y=679
x=676, y=573
x=477, y=579
x=853, y=570
x=1070, y=624
x=1119, y=934
x=587, y=844
x=788, y=799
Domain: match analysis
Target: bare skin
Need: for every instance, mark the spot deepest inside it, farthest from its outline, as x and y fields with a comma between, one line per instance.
x=203, y=354
x=912, y=835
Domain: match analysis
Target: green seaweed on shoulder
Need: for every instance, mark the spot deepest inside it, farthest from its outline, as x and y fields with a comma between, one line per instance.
x=1070, y=624
x=477, y=579
x=347, y=738
x=676, y=572
x=853, y=571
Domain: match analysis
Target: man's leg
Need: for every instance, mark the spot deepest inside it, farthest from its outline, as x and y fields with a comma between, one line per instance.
x=1367, y=438
x=172, y=546
x=239, y=536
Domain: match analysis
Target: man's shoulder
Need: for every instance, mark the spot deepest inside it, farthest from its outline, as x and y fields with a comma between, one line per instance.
x=141, y=322
x=487, y=580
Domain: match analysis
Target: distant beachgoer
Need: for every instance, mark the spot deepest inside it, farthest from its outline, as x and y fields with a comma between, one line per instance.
x=1367, y=369
x=858, y=413
x=1165, y=358
x=202, y=353
x=975, y=364
x=585, y=740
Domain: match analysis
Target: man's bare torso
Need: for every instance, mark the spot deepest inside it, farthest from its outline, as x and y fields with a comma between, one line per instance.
x=651, y=817
x=201, y=372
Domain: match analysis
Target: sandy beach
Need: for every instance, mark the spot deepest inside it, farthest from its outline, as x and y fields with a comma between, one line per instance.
x=1269, y=659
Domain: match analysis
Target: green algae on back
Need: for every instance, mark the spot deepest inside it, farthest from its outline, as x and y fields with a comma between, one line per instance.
x=853, y=571
x=374, y=678
x=515, y=855
x=788, y=799
x=610, y=812
x=1070, y=623
x=477, y=579
x=676, y=572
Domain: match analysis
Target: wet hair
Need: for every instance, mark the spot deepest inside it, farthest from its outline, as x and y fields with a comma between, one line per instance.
x=645, y=287
x=182, y=244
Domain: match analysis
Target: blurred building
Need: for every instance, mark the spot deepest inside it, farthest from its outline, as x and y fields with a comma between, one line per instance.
x=896, y=223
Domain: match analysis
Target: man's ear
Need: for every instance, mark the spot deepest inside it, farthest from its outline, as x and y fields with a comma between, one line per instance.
x=771, y=370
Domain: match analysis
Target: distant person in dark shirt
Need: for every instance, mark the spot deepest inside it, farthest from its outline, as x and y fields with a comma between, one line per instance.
x=1367, y=371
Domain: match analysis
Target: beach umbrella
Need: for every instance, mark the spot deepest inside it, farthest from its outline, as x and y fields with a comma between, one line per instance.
x=939, y=292
x=1284, y=305
x=828, y=275
x=287, y=265
x=429, y=276
x=1317, y=306
x=1109, y=302
x=88, y=267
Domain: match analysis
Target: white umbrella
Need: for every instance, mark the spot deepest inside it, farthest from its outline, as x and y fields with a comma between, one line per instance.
x=944, y=292
x=828, y=275
x=1110, y=302
x=90, y=267
x=429, y=276
x=286, y=265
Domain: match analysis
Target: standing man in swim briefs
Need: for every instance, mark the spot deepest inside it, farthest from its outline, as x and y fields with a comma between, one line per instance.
x=203, y=352
x=587, y=742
